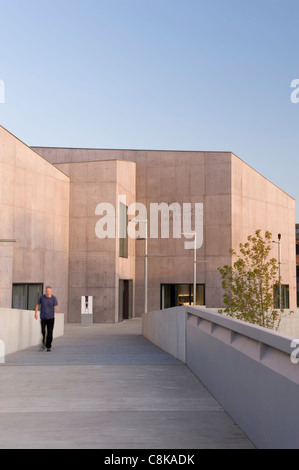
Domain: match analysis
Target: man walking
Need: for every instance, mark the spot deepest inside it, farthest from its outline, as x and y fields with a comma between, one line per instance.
x=49, y=306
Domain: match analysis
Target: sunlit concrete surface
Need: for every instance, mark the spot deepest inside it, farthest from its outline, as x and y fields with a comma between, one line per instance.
x=108, y=387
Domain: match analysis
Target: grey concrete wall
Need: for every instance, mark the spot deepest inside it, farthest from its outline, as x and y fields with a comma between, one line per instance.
x=289, y=322
x=247, y=368
x=167, y=329
x=34, y=207
x=167, y=176
x=94, y=264
x=20, y=330
x=249, y=371
x=237, y=201
x=259, y=204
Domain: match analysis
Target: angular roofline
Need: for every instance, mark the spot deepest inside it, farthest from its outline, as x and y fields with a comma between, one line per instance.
x=130, y=149
x=32, y=150
x=267, y=179
x=173, y=151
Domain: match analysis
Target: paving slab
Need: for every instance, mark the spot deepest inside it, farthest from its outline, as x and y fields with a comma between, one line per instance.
x=107, y=387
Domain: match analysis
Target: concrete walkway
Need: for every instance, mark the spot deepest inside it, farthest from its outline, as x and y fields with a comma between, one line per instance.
x=108, y=387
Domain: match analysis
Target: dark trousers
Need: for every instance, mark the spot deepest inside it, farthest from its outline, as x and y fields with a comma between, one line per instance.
x=47, y=335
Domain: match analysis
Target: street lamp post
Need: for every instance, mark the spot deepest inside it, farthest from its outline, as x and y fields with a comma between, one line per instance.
x=146, y=256
x=194, y=272
x=279, y=269
x=145, y=261
x=145, y=269
x=194, y=266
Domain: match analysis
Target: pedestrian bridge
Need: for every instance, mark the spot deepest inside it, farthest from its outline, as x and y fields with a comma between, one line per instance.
x=253, y=372
x=108, y=386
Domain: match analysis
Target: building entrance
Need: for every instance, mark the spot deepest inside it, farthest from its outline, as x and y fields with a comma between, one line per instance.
x=125, y=306
x=175, y=295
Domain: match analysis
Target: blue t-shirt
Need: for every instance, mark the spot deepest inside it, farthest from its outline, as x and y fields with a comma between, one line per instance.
x=47, y=307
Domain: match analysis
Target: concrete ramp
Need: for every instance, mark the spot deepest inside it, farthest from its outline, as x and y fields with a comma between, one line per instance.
x=107, y=387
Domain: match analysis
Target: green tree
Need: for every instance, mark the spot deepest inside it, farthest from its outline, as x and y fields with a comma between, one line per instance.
x=249, y=283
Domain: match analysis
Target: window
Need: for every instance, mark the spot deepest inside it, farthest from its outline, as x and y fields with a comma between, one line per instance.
x=285, y=296
x=123, y=230
x=26, y=296
x=174, y=295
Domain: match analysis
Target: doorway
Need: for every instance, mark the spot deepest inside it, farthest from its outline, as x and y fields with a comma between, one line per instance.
x=125, y=306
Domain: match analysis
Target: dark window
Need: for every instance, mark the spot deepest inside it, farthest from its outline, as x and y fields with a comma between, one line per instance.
x=123, y=230
x=285, y=296
x=174, y=295
x=26, y=296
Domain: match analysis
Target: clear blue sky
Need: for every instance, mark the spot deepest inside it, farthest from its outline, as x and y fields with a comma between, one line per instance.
x=156, y=74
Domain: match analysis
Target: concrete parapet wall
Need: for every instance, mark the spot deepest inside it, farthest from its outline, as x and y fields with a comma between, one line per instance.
x=166, y=329
x=247, y=368
x=249, y=371
x=289, y=323
x=19, y=329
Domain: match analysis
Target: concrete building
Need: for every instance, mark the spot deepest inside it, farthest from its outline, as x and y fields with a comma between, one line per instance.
x=34, y=208
x=230, y=198
x=297, y=261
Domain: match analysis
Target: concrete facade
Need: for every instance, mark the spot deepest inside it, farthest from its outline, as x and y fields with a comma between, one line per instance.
x=297, y=261
x=95, y=265
x=49, y=199
x=34, y=207
x=237, y=201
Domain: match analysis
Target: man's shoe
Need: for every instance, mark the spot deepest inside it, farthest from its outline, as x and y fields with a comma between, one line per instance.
x=43, y=347
x=48, y=349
